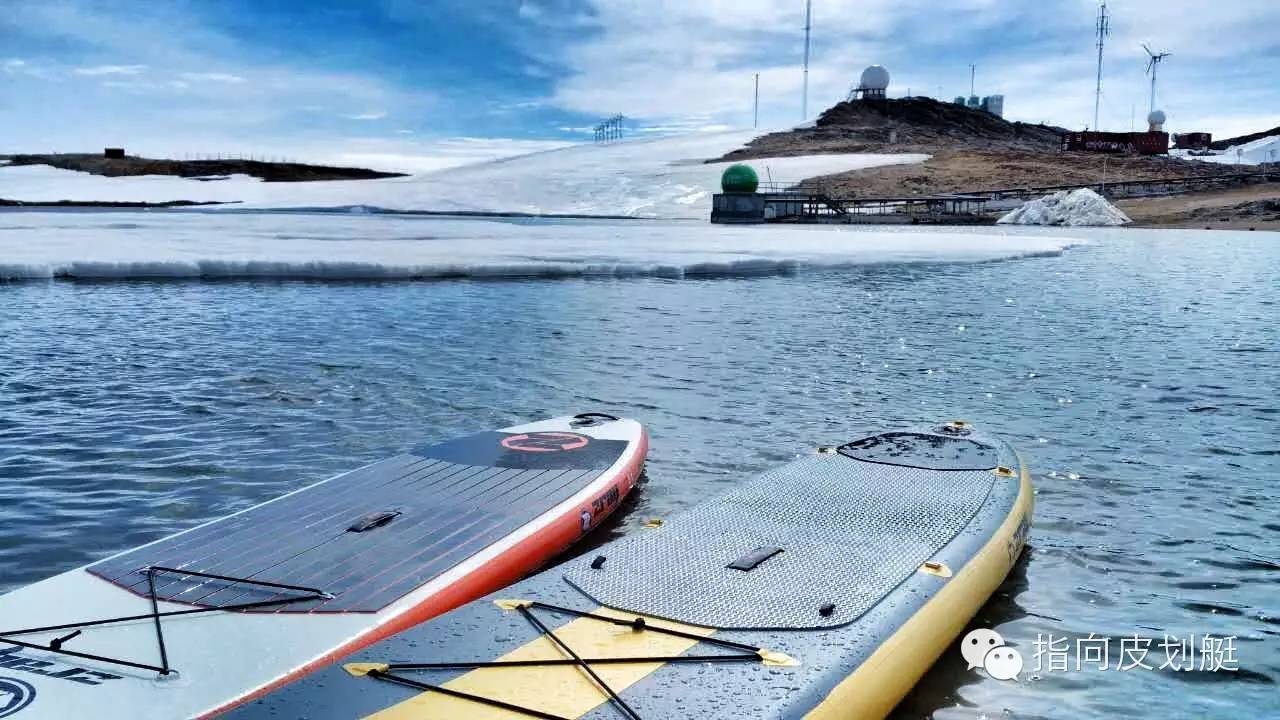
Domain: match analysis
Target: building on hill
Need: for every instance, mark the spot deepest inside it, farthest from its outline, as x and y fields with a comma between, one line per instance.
x=872, y=85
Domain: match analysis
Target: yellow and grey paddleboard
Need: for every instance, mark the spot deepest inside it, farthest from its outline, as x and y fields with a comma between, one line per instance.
x=821, y=589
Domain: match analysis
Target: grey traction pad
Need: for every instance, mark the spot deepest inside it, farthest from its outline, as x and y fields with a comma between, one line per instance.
x=850, y=532
x=448, y=511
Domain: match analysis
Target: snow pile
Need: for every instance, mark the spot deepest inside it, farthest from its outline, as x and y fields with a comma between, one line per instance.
x=662, y=177
x=174, y=245
x=1077, y=208
x=1256, y=152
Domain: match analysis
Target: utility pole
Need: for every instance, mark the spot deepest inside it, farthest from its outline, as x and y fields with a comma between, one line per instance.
x=804, y=102
x=1104, y=29
x=1154, y=69
x=755, y=119
x=973, y=76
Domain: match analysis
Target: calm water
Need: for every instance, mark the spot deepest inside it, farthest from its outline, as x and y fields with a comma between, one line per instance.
x=1138, y=375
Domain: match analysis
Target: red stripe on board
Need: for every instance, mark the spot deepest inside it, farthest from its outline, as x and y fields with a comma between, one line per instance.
x=529, y=554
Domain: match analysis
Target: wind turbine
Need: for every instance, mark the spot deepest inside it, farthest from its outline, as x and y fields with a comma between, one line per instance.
x=1153, y=65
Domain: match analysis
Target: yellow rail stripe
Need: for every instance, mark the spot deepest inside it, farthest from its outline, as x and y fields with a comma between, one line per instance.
x=560, y=690
x=871, y=691
x=880, y=683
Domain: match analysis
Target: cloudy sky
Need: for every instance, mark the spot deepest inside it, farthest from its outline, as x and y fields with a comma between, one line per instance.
x=419, y=84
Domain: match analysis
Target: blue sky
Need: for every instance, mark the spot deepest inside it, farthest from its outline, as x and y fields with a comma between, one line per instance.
x=418, y=84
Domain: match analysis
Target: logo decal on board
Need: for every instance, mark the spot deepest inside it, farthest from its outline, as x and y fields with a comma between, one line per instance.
x=545, y=441
x=1019, y=539
x=14, y=696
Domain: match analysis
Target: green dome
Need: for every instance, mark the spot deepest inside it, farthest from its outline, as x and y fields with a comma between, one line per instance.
x=739, y=179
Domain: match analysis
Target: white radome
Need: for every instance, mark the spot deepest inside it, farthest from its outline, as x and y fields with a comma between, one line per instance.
x=874, y=78
x=1157, y=117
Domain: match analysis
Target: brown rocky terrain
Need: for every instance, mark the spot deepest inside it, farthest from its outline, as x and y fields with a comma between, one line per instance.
x=974, y=151
x=1246, y=208
x=907, y=125
x=130, y=165
x=972, y=170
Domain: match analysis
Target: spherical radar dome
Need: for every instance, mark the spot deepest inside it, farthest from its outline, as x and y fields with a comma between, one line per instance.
x=739, y=178
x=874, y=78
x=1156, y=117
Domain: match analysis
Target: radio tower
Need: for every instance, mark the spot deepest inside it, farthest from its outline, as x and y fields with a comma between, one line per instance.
x=1104, y=29
x=804, y=102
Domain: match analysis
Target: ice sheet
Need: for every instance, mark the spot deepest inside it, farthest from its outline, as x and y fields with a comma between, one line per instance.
x=175, y=245
x=662, y=177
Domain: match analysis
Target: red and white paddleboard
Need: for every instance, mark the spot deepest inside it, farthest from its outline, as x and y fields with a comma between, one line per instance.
x=209, y=618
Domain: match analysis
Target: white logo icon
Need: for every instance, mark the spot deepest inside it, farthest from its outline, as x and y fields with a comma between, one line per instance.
x=1003, y=663
x=977, y=644
x=985, y=648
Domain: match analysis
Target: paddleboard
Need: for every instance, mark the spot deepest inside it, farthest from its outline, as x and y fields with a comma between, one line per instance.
x=822, y=589
x=193, y=624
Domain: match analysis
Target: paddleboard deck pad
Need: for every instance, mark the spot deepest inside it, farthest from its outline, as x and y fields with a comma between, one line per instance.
x=195, y=623
x=821, y=589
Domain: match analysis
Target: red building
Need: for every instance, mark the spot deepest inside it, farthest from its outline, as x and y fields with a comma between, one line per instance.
x=1137, y=143
x=1192, y=140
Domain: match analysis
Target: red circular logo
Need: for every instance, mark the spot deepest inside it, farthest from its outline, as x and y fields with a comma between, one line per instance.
x=545, y=441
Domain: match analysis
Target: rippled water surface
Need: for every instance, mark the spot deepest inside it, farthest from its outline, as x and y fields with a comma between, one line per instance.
x=1138, y=375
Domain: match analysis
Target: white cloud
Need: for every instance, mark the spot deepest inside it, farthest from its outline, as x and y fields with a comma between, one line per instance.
x=530, y=10
x=133, y=86
x=661, y=60
x=157, y=48
x=212, y=77
x=674, y=66
x=97, y=70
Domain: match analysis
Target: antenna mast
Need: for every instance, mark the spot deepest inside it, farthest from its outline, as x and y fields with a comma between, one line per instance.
x=755, y=122
x=1104, y=29
x=1153, y=65
x=804, y=103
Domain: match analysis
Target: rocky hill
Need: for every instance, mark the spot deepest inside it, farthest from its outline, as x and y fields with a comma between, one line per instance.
x=130, y=165
x=970, y=151
x=903, y=125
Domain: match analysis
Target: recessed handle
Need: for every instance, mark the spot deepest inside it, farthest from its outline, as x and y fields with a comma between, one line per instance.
x=372, y=520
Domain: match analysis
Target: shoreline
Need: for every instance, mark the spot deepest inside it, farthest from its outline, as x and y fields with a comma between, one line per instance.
x=131, y=166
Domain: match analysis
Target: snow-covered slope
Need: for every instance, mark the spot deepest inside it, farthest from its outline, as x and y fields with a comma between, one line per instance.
x=1256, y=152
x=662, y=177
x=122, y=245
